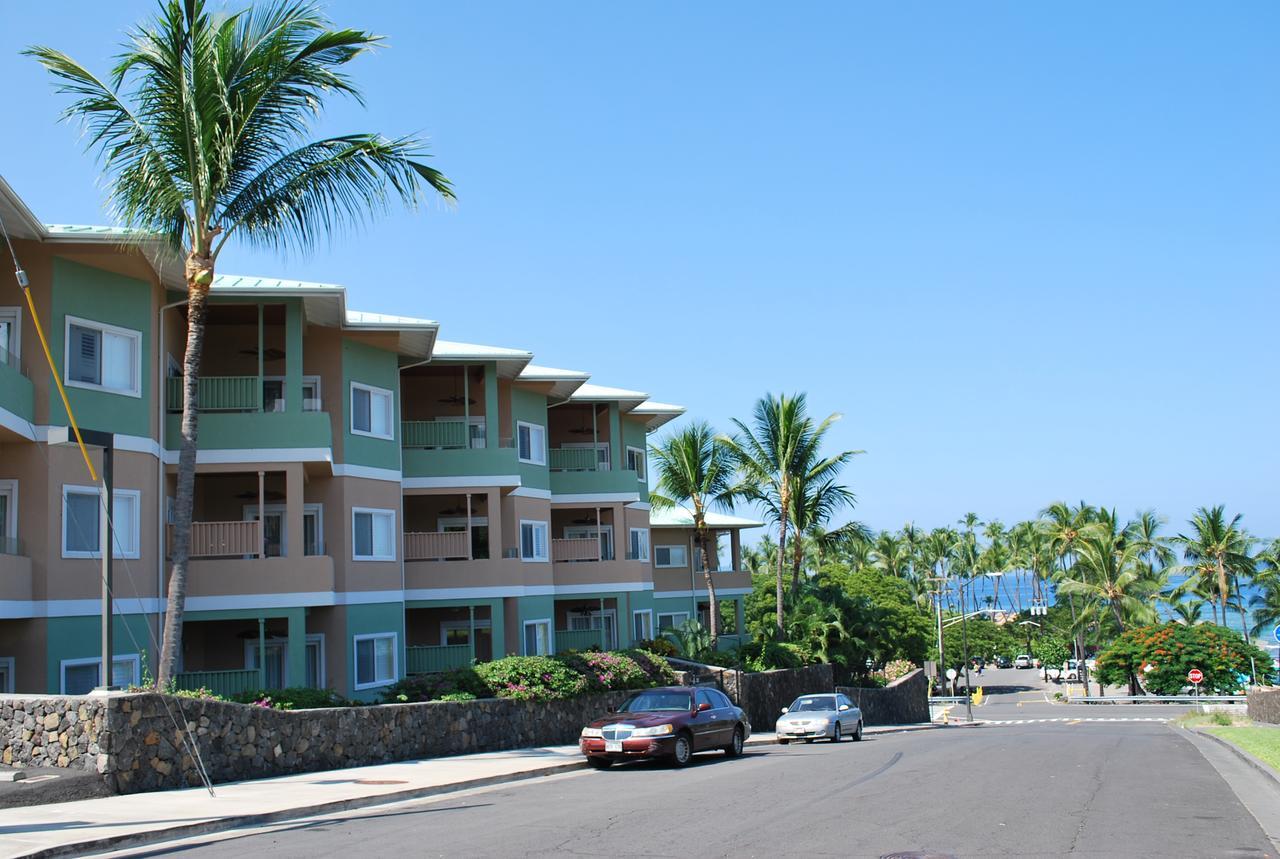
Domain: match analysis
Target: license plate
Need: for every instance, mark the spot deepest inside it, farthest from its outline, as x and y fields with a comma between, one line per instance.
x=613, y=745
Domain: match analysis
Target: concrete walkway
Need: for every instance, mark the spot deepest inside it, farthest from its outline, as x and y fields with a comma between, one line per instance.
x=74, y=828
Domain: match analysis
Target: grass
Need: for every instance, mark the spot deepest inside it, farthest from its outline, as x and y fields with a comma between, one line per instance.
x=1262, y=743
x=1218, y=719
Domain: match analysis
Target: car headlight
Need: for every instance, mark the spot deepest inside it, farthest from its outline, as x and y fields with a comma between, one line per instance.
x=592, y=732
x=656, y=731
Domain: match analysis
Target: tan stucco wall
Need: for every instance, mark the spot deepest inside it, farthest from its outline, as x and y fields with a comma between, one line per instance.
x=332, y=624
x=24, y=640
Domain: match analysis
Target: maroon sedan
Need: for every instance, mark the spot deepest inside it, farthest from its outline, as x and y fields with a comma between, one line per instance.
x=673, y=722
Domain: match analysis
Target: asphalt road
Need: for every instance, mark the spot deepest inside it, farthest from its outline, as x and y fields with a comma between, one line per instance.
x=1037, y=789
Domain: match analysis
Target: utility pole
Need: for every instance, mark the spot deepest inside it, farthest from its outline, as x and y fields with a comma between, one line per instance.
x=964, y=631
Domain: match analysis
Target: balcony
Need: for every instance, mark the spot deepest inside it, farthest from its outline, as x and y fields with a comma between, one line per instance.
x=581, y=471
x=426, y=659
x=438, y=435
x=15, y=571
x=582, y=639
x=437, y=546
x=224, y=539
x=17, y=395
x=223, y=683
x=578, y=549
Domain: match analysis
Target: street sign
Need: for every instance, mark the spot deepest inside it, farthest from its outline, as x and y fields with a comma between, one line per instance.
x=1276, y=633
x=1195, y=675
x=951, y=674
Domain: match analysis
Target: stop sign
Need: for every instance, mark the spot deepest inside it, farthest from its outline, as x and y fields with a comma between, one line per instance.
x=1195, y=675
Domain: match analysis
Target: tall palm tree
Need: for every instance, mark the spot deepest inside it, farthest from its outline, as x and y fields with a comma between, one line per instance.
x=1187, y=611
x=1218, y=547
x=780, y=446
x=694, y=468
x=203, y=127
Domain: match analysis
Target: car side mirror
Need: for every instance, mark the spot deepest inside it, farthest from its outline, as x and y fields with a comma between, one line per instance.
x=844, y=707
x=703, y=706
x=784, y=709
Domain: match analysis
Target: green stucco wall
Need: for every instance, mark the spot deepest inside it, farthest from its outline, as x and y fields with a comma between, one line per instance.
x=530, y=407
x=378, y=368
x=81, y=638
x=364, y=620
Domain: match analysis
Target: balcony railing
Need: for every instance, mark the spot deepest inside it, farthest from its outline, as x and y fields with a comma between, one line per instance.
x=426, y=659
x=581, y=639
x=223, y=683
x=437, y=545
x=220, y=393
x=576, y=459
x=221, y=539
x=576, y=549
x=443, y=435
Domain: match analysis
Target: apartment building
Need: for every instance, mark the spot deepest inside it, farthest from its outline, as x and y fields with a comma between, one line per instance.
x=370, y=501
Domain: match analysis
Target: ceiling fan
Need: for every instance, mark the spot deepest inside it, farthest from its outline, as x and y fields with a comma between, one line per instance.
x=457, y=511
x=583, y=430
x=456, y=399
x=269, y=354
x=252, y=495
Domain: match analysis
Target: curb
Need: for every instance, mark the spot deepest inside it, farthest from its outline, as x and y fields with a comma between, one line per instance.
x=222, y=824
x=1241, y=754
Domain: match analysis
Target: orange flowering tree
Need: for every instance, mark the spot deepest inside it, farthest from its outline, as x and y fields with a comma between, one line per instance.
x=1161, y=656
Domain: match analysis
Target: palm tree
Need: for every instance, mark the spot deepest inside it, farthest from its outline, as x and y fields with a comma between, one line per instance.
x=203, y=128
x=1187, y=611
x=780, y=447
x=694, y=468
x=1220, y=548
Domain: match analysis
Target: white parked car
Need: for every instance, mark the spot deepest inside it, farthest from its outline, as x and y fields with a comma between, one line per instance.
x=1022, y=660
x=813, y=717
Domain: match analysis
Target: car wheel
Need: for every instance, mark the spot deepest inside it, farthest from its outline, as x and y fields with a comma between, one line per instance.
x=599, y=763
x=783, y=742
x=734, y=749
x=835, y=733
x=857, y=732
x=683, y=751
x=808, y=741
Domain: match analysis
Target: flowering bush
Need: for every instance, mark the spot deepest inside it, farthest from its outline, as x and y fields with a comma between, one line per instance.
x=897, y=668
x=531, y=678
x=657, y=671
x=1161, y=656
x=437, y=687
x=658, y=647
x=293, y=698
x=603, y=671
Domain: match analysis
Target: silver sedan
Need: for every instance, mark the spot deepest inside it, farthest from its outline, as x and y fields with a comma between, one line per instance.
x=813, y=717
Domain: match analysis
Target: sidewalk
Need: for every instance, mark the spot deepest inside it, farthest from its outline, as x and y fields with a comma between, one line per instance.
x=72, y=828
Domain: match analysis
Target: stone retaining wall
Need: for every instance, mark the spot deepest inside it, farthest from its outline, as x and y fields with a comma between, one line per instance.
x=133, y=741
x=763, y=694
x=1264, y=705
x=905, y=701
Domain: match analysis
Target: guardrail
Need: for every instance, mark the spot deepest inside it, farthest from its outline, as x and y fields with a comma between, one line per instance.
x=1162, y=699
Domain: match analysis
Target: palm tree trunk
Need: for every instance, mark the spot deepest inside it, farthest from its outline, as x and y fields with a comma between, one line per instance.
x=1222, y=588
x=1244, y=620
x=713, y=607
x=797, y=552
x=782, y=558
x=183, y=502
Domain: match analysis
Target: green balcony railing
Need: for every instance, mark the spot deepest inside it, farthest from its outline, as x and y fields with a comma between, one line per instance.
x=426, y=659
x=433, y=434
x=580, y=639
x=220, y=393
x=224, y=683
x=574, y=459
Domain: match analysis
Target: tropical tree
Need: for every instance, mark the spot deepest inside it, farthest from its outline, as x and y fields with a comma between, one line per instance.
x=1187, y=611
x=203, y=127
x=1220, y=548
x=695, y=469
x=781, y=447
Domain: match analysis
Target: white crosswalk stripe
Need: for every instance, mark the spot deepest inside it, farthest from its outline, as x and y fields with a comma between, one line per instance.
x=1076, y=719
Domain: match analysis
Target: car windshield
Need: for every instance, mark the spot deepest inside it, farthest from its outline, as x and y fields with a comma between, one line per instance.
x=810, y=703
x=657, y=702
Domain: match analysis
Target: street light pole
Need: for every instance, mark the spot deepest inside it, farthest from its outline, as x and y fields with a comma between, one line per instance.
x=964, y=631
x=108, y=627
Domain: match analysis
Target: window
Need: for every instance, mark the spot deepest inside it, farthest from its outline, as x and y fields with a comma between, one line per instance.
x=376, y=659
x=479, y=532
x=275, y=400
x=10, y=330
x=459, y=631
x=6, y=675
x=719, y=699
x=641, y=625
x=82, y=523
x=672, y=620
x=315, y=660
x=537, y=637
x=639, y=547
x=670, y=556
x=103, y=357
x=703, y=698
x=635, y=461
x=82, y=676
x=276, y=531
x=716, y=552
x=373, y=534
x=533, y=541
x=371, y=412
x=603, y=534
x=531, y=443
x=8, y=517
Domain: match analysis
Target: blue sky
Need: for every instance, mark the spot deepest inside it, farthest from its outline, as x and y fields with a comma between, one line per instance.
x=1028, y=250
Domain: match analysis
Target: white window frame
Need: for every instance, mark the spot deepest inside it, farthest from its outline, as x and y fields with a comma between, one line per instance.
x=315, y=638
x=306, y=380
x=546, y=541
x=602, y=463
x=673, y=614
x=280, y=642
x=251, y=510
x=133, y=658
x=95, y=491
x=443, y=523
x=648, y=552
x=643, y=470
x=355, y=655
x=536, y=457
x=588, y=532
x=9, y=665
x=670, y=547
x=14, y=314
x=551, y=636
x=446, y=626
x=136, y=336
x=373, y=511
x=647, y=613
x=9, y=489
x=373, y=391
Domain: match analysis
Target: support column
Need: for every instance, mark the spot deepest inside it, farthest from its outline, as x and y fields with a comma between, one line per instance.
x=604, y=638
x=615, y=437
x=471, y=631
x=739, y=617
x=293, y=358
x=294, y=480
x=491, y=406
x=470, y=554
x=261, y=349
x=735, y=549
x=262, y=517
x=493, y=509
x=466, y=406
x=262, y=652
x=497, y=624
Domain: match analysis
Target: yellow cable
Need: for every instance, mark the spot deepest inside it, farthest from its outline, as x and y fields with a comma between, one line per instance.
x=53, y=371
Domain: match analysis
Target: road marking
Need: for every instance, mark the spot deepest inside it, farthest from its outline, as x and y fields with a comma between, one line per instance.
x=1076, y=720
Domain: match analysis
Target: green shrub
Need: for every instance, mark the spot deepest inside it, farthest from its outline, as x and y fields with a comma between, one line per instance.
x=438, y=687
x=657, y=671
x=294, y=698
x=603, y=671
x=1220, y=718
x=658, y=646
x=531, y=678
